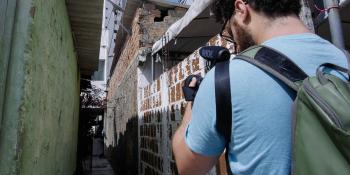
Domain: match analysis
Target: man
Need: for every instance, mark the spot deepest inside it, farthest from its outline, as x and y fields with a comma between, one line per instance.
x=261, y=105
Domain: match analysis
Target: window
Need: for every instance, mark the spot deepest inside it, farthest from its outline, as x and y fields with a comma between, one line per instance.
x=99, y=75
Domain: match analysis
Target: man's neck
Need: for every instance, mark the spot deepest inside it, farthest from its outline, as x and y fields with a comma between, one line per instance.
x=267, y=29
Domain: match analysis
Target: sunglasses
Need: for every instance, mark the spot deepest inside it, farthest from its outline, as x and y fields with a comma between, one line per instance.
x=229, y=37
x=224, y=32
x=227, y=34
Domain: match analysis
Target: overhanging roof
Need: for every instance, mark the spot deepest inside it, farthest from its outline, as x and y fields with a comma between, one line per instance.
x=193, y=30
x=196, y=28
x=86, y=24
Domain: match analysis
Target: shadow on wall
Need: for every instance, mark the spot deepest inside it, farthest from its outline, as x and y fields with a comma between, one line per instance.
x=124, y=156
x=85, y=136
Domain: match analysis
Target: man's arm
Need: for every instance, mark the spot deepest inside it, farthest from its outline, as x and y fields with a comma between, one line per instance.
x=187, y=161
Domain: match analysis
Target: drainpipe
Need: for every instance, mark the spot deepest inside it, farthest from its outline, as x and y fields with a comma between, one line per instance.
x=344, y=3
x=335, y=23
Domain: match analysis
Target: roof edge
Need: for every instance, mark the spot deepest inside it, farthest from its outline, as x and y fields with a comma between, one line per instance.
x=168, y=4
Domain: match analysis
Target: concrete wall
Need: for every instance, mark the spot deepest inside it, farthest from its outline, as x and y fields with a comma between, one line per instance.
x=41, y=103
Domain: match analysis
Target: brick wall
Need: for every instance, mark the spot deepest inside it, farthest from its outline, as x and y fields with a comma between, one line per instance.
x=145, y=31
x=121, y=124
x=151, y=28
x=161, y=106
x=128, y=54
x=121, y=121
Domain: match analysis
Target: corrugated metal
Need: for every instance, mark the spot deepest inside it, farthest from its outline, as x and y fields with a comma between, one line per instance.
x=86, y=22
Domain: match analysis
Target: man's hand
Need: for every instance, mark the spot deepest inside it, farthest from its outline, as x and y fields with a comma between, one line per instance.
x=193, y=82
x=191, y=86
x=187, y=161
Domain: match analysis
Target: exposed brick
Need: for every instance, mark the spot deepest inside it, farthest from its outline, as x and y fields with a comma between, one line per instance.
x=181, y=75
x=155, y=115
x=195, y=65
x=178, y=91
x=148, y=6
x=172, y=94
x=188, y=69
x=156, y=13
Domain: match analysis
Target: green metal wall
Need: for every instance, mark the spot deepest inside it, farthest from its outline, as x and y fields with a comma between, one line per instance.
x=39, y=89
x=7, y=9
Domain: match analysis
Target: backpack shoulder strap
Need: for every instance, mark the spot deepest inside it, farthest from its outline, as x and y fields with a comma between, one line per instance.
x=223, y=99
x=275, y=63
x=223, y=104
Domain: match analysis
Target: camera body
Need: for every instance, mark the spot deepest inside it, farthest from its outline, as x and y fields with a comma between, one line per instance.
x=213, y=55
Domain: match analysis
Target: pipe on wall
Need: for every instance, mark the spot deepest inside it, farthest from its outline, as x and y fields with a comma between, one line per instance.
x=344, y=3
x=335, y=23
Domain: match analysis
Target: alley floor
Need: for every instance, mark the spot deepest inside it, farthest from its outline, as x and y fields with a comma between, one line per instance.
x=100, y=165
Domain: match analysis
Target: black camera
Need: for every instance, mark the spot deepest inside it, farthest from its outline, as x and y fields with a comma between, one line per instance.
x=213, y=55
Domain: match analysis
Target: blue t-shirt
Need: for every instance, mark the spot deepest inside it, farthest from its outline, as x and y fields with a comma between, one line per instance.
x=261, y=109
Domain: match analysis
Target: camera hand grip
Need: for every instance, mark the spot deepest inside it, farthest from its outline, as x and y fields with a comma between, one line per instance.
x=190, y=92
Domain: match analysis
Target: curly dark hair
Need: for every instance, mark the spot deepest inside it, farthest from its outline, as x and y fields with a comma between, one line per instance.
x=223, y=9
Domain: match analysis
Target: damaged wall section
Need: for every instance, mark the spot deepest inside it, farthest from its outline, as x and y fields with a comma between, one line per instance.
x=161, y=108
x=121, y=121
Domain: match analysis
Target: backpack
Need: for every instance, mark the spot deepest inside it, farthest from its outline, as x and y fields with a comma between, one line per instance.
x=321, y=111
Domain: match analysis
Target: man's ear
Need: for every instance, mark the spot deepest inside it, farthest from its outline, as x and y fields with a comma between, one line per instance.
x=242, y=15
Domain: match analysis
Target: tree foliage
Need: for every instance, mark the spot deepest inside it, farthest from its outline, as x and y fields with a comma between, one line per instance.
x=91, y=96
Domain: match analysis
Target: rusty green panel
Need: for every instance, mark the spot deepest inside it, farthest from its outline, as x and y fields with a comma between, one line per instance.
x=7, y=13
x=13, y=87
x=38, y=132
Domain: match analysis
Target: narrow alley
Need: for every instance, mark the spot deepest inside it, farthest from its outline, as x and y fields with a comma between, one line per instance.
x=100, y=165
x=97, y=87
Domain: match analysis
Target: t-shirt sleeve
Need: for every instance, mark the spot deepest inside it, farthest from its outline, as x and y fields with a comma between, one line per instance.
x=201, y=135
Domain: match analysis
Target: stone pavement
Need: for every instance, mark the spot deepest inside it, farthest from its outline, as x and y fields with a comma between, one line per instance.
x=100, y=165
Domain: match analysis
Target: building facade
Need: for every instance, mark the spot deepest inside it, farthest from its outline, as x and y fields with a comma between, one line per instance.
x=145, y=103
